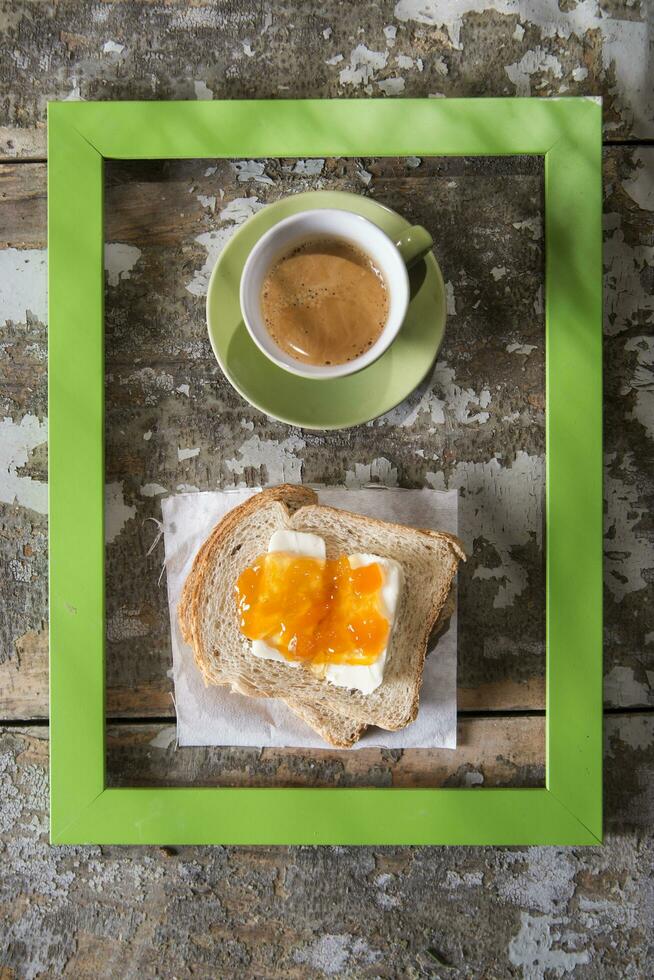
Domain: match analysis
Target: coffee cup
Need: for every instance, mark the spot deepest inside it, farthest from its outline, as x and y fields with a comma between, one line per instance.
x=390, y=259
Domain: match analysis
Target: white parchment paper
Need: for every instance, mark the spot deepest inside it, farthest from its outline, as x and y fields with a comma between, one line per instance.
x=214, y=716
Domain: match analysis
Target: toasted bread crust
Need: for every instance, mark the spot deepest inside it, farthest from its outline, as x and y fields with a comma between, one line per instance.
x=291, y=496
x=343, y=722
x=439, y=599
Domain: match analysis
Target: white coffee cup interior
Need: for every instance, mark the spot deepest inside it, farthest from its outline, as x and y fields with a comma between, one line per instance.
x=328, y=223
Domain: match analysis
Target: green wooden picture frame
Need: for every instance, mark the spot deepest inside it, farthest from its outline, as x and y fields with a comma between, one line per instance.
x=567, y=132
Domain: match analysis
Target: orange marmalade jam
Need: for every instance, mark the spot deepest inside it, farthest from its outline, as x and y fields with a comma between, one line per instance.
x=319, y=612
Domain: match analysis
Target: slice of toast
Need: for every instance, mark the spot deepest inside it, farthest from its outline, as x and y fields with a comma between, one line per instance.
x=208, y=620
x=335, y=729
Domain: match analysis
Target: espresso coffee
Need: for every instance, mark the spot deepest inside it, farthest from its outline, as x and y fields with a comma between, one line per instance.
x=324, y=302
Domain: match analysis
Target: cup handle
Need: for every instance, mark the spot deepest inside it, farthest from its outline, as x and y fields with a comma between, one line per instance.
x=414, y=244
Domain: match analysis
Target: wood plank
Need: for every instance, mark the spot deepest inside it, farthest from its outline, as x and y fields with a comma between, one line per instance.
x=24, y=690
x=278, y=912
x=164, y=51
x=491, y=752
x=22, y=205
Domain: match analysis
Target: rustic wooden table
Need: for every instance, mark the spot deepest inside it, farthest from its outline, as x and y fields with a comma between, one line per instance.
x=476, y=424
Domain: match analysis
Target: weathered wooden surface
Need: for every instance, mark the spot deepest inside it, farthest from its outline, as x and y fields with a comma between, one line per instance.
x=179, y=50
x=501, y=751
x=157, y=344
x=162, y=380
x=304, y=912
x=314, y=912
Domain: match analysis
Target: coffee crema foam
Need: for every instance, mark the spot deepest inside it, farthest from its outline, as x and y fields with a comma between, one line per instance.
x=324, y=302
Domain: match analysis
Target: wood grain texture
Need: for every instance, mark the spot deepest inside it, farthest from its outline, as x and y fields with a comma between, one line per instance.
x=502, y=751
x=90, y=912
x=481, y=400
x=123, y=50
x=157, y=344
x=313, y=912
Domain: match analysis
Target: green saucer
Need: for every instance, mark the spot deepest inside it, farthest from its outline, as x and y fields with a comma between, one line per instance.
x=341, y=402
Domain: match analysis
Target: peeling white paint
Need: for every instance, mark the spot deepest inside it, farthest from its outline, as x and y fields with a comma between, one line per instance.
x=642, y=382
x=545, y=883
x=152, y=383
x=473, y=778
x=449, y=299
x=202, y=92
x=276, y=457
x=641, y=187
x=536, y=62
x=635, y=731
x=207, y=201
x=119, y=260
x=113, y=47
x=17, y=440
x=391, y=86
x=403, y=61
x=518, y=33
x=627, y=550
x=240, y=209
x=152, y=490
x=463, y=879
x=183, y=390
x=504, y=506
x=187, y=488
x=380, y=470
x=390, y=33
x=75, y=94
x=164, y=738
x=251, y=170
x=413, y=162
x=214, y=242
x=539, y=949
x=183, y=454
x=625, y=42
x=195, y=18
x=331, y=954
x=247, y=48
x=520, y=348
x=533, y=225
x=382, y=898
x=334, y=60
x=116, y=512
x=626, y=301
x=309, y=168
x=364, y=175
x=327, y=33
x=580, y=74
x=20, y=571
x=498, y=272
x=538, y=302
x=126, y=624
x=233, y=214
x=622, y=690
x=363, y=65
x=23, y=284
x=443, y=400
